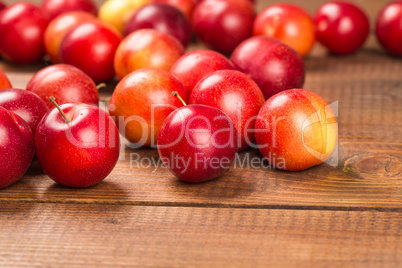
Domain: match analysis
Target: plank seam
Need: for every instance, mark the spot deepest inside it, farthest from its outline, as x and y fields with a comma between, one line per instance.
x=198, y=205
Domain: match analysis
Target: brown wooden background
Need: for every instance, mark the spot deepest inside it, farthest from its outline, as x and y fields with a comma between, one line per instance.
x=344, y=216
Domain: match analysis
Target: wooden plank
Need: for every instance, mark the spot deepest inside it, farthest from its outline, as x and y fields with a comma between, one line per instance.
x=71, y=235
x=367, y=181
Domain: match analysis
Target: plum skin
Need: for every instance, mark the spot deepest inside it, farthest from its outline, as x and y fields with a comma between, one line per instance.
x=296, y=129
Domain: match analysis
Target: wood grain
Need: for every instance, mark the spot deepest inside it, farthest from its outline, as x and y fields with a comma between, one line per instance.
x=71, y=235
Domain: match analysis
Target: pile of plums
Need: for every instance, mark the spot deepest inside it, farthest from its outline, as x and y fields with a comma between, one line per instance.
x=198, y=108
x=127, y=35
x=76, y=144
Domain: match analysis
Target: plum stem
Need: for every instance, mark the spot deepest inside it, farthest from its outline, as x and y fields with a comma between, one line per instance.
x=101, y=85
x=176, y=94
x=53, y=101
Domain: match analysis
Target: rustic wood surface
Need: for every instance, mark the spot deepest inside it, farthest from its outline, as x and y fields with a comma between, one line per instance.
x=76, y=235
x=347, y=214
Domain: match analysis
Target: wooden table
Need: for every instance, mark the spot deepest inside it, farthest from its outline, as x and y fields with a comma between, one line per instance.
x=348, y=215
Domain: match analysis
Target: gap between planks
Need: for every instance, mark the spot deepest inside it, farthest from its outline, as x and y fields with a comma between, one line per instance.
x=195, y=205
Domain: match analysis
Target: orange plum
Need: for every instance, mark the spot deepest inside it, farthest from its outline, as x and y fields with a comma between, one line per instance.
x=146, y=48
x=296, y=129
x=141, y=102
x=289, y=23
